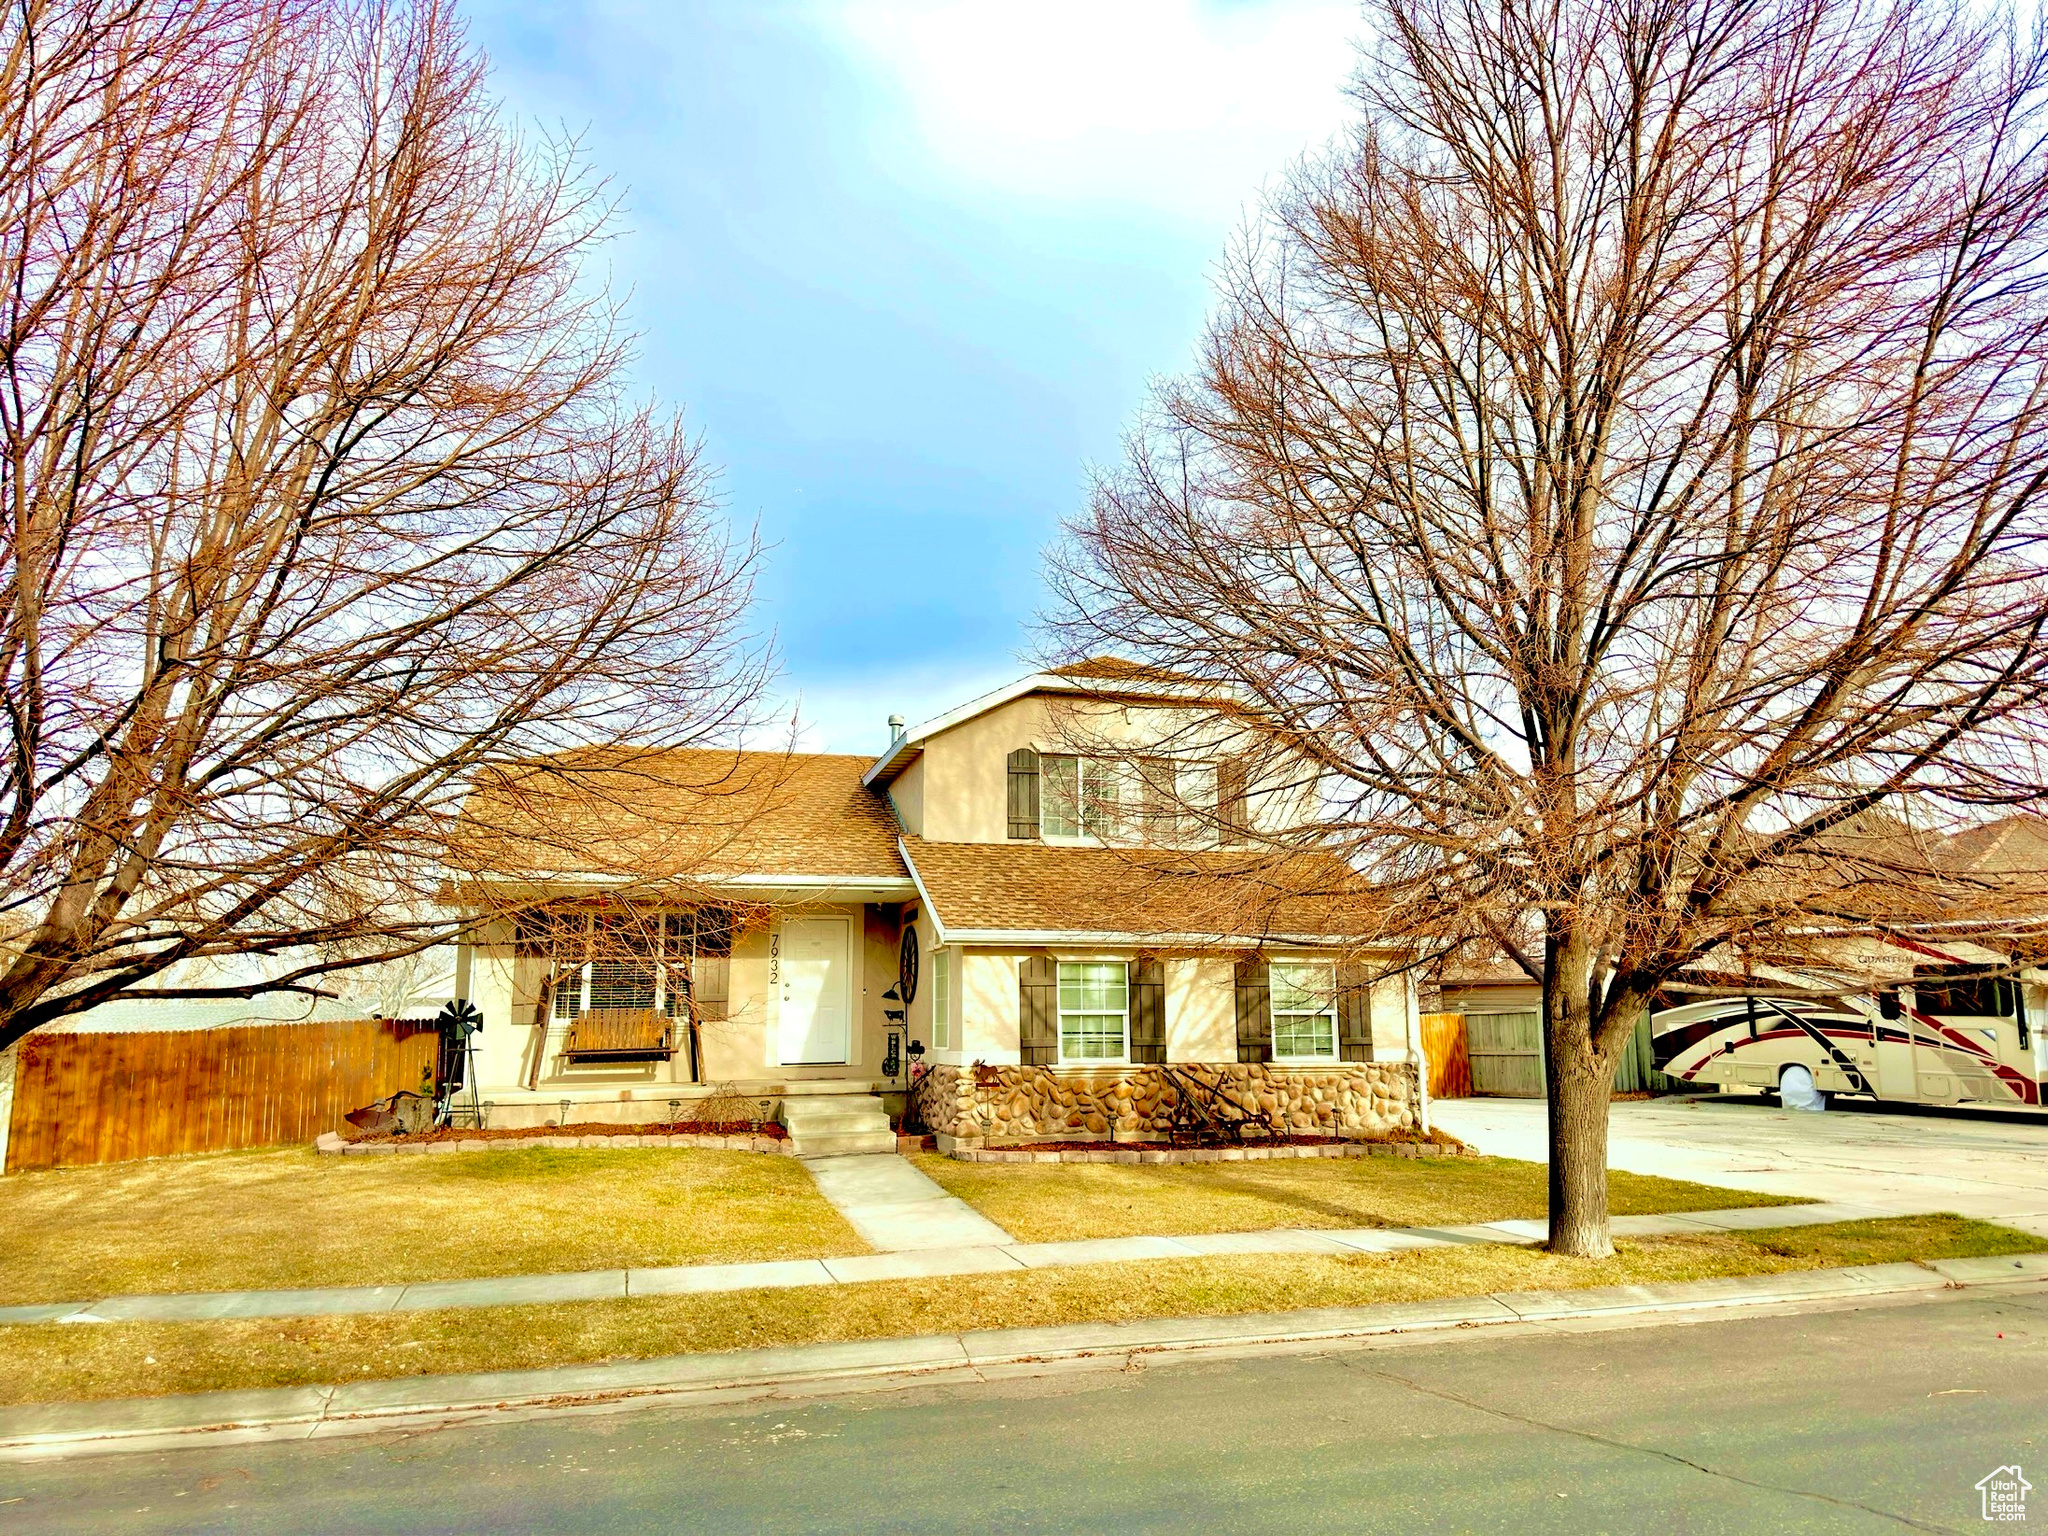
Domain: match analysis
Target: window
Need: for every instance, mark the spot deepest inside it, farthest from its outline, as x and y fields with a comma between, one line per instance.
x=1080, y=796
x=629, y=960
x=568, y=991
x=1948, y=995
x=1094, y=1010
x=1304, y=994
x=942, y=1001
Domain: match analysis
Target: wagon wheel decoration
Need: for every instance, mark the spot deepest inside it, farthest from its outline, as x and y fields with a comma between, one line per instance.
x=906, y=967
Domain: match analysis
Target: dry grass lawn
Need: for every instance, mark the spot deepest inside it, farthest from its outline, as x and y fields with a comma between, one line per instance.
x=257, y=1220
x=1058, y=1202
x=51, y=1362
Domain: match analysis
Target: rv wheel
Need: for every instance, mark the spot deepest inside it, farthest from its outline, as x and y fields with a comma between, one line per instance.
x=1796, y=1090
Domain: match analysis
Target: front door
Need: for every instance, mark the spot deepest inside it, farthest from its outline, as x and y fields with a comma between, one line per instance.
x=816, y=1000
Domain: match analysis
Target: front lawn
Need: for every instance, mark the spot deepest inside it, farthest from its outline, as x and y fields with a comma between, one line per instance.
x=53, y=1362
x=262, y=1220
x=1057, y=1202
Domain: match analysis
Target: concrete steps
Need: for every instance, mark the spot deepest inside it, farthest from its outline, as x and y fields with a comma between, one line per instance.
x=834, y=1125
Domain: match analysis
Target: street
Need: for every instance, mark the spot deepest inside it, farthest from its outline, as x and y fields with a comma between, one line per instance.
x=1873, y=1419
x=1981, y=1163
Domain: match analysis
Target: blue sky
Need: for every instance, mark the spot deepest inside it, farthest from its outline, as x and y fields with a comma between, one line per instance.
x=908, y=266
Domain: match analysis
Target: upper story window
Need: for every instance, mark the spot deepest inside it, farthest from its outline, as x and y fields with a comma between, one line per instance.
x=1304, y=1001
x=1153, y=800
x=1080, y=796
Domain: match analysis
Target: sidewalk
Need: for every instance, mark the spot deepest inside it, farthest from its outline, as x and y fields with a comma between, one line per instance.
x=967, y=1259
x=421, y=1402
x=896, y=1208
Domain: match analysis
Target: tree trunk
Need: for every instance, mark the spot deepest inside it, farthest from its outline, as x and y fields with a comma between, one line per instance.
x=1577, y=1083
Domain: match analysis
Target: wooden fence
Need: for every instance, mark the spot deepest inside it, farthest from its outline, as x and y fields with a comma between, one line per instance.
x=1506, y=1051
x=105, y=1098
x=1443, y=1047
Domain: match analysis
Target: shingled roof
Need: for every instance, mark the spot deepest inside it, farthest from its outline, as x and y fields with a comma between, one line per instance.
x=639, y=814
x=995, y=891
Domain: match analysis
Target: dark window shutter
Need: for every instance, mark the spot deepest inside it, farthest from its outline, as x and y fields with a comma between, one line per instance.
x=1232, y=816
x=1354, y=1013
x=1254, y=1011
x=1024, y=793
x=1038, y=1011
x=1148, y=1012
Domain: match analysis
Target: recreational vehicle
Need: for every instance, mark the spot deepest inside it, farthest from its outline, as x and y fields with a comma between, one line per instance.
x=1946, y=1039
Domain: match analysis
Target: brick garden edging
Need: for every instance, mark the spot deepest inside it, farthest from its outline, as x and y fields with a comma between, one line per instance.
x=1208, y=1154
x=772, y=1145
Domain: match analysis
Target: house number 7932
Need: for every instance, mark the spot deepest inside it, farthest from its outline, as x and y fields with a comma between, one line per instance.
x=774, y=958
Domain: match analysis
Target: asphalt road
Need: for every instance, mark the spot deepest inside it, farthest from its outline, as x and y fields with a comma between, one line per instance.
x=1877, y=1419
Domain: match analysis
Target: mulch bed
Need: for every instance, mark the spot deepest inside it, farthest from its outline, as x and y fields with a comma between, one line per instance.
x=1164, y=1146
x=772, y=1129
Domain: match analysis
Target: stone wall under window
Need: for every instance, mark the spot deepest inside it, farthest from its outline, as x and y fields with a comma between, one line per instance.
x=994, y=1106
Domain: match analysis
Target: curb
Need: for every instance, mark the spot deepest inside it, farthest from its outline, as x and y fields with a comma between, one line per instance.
x=51, y=1431
x=331, y=1145
x=1094, y=1153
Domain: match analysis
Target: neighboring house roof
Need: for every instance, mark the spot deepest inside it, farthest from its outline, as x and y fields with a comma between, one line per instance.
x=2012, y=845
x=1098, y=677
x=622, y=813
x=1034, y=892
x=147, y=1015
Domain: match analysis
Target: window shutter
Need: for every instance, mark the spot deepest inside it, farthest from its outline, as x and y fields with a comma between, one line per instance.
x=711, y=964
x=1024, y=793
x=710, y=986
x=1148, y=1012
x=1232, y=817
x=1354, y=1013
x=1038, y=1011
x=1254, y=1011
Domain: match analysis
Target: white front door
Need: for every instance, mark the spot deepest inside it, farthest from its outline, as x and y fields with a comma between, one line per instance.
x=816, y=1001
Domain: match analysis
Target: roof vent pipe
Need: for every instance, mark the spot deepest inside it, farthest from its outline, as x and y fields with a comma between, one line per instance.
x=895, y=729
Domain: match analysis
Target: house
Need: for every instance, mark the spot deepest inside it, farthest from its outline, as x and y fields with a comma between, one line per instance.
x=1058, y=891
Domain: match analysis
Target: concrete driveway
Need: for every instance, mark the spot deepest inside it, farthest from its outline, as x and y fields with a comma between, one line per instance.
x=1978, y=1164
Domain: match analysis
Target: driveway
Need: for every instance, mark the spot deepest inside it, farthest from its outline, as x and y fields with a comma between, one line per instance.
x=1976, y=1163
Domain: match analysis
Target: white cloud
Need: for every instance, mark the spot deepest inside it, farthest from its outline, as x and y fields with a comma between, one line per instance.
x=1179, y=106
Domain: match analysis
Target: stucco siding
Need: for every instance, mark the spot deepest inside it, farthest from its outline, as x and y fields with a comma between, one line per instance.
x=1394, y=1021
x=1201, y=1010
x=988, y=994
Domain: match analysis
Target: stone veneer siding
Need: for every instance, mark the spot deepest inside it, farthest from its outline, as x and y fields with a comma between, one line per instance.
x=989, y=1106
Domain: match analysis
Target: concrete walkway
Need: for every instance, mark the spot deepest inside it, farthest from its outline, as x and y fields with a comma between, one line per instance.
x=896, y=1208
x=965, y=1259
x=49, y=1430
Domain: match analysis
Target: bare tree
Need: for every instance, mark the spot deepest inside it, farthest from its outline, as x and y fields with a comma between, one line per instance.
x=322, y=489
x=1617, y=472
